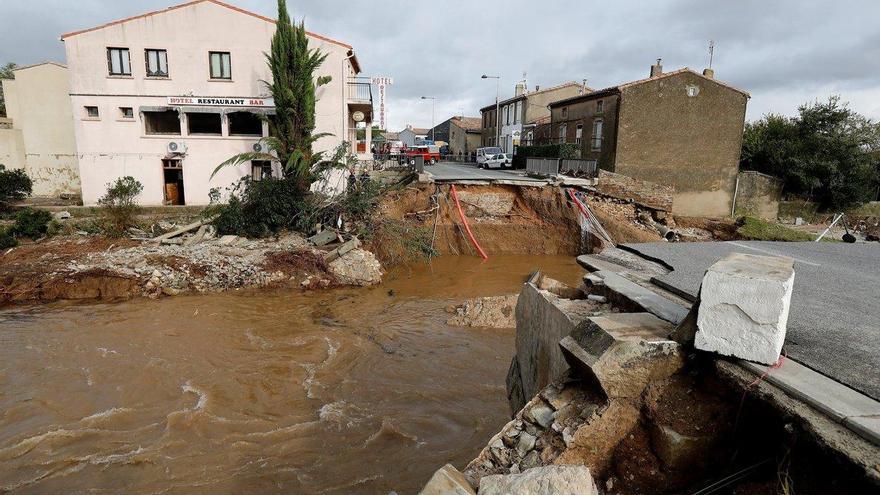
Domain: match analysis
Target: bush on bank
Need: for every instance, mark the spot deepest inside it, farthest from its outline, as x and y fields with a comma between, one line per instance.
x=119, y=205
x=15, y=185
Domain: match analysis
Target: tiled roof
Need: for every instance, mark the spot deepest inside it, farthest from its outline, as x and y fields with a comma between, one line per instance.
x=533, y=93
x=469, y=123
x=614, y=89
x=194, y=2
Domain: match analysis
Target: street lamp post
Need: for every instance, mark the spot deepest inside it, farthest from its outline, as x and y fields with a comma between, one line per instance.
x=497, y=104
x=433, y=100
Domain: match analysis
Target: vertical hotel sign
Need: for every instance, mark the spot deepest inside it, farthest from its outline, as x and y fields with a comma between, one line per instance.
x=382, y=83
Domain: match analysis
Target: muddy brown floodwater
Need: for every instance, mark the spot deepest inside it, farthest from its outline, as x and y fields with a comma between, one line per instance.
x=337, y=392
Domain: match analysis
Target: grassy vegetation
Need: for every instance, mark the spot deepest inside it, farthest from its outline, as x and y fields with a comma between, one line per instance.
x=809, y=211
x=755, y=229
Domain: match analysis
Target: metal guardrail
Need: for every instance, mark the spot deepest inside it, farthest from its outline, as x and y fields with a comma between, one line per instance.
x=579, y=167
x=543, y=166
x=552, y=167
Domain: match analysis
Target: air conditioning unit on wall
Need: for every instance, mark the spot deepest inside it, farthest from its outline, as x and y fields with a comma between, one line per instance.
x=176, y=147
x=260, y=148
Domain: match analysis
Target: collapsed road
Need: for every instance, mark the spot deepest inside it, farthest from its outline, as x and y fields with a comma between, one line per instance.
x=834, y=326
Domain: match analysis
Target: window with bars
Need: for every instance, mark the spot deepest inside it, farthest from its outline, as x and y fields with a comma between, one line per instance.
x=597, y=135
x=221, y=65
x=119, y=61
x=563, y=132
x=156, y=62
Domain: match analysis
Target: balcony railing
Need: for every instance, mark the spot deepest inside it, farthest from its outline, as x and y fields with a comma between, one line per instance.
x=360, y=91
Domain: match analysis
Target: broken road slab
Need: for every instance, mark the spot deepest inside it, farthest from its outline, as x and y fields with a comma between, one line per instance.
x=834, y=324
x=857, y=411
x=623, y=352
x=745, y=301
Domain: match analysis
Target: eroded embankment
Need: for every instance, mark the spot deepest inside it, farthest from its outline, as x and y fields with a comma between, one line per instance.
x=624, y=394
x=504, y=219
x=95, y=268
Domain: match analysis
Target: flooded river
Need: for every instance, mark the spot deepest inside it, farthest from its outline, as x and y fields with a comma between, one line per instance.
x=336, y=392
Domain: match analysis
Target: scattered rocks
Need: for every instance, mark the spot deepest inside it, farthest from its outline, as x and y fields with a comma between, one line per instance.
x=211, y=265
x=357, y=267
x=486, y=312
x=568, y=480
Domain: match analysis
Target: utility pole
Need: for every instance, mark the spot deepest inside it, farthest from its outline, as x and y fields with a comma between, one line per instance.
x=497, y=106
x=433, y=100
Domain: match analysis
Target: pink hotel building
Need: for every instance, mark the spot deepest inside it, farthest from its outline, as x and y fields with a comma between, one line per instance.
x=167, y=96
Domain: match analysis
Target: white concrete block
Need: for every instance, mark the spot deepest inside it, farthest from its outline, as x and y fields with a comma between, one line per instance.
x=745, y=300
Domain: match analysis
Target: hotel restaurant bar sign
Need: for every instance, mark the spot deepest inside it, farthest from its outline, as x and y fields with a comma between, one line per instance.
x=196, y=101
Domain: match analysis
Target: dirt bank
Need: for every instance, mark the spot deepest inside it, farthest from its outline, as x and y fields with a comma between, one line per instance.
x=82, y=267
x=504, y=219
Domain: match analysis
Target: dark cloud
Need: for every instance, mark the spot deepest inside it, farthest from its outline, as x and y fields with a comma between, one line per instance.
x=784, y=52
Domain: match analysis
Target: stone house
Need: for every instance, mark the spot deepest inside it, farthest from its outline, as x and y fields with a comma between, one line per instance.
x=462, y=134
x=681, y=129
x=38, y=135
x=516, y=113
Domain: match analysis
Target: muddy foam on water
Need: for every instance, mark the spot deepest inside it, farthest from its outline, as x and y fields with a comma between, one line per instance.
x=345, y=391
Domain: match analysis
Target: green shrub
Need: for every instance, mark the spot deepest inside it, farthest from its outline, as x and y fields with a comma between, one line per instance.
x=262, y=208
x=15, y=185
x=119, y=205
x=7, y=240
x=31, y=223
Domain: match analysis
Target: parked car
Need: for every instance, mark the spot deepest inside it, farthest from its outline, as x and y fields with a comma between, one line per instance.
x=483, y=154
x=501, y=160
x=430, y=153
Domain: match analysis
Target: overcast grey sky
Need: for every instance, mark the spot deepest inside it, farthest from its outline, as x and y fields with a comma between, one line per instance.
x=784, y=52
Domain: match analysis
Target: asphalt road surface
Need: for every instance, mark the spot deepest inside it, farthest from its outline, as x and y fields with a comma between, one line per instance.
x=452, y=171
x=834, y=323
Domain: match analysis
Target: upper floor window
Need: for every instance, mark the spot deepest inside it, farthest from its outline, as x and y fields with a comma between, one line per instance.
x=221, y=65
x=564, y=112
x=600, y=106
x=579, y=133
x=597, y=135
x=92, y=112
x=119, y=61
x=157, y=63
x=517, y=112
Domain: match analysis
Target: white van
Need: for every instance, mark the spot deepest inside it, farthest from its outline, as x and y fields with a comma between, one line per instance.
x=484, y=154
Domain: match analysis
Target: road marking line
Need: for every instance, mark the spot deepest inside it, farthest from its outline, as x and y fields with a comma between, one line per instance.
x=765, y=251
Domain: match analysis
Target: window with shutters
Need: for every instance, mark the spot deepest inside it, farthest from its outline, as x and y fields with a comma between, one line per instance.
x=156, y=62
x=119, y=61
x=221, y=65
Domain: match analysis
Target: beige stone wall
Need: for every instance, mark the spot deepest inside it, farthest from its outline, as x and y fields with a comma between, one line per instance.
x=758, y=195
x=690, y=142
x=650, y=194
x=41, y=139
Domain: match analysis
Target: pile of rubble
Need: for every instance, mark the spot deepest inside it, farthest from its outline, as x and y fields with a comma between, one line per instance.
x=485, y=312
x=182, y=260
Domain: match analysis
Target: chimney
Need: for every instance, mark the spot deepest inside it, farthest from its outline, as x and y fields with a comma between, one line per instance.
x=657, y=69
x=520, y=88
x=710, y=73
